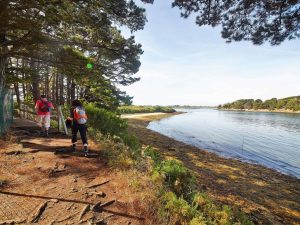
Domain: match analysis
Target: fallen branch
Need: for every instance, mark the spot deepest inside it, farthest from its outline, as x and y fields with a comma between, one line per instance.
x=39, y=212
x=98, y=184
x=84, y=211
x=99, y=206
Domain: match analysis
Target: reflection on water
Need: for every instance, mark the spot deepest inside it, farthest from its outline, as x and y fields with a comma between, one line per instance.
x=270, y=139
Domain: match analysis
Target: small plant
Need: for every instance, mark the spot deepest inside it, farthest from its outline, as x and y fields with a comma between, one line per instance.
x=177, y=210
x=178, y=178
x=153, y=154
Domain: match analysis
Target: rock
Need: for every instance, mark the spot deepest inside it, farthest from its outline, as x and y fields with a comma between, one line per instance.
x=98, y=194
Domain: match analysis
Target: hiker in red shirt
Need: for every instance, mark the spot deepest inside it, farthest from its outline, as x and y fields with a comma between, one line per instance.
x=43, y=108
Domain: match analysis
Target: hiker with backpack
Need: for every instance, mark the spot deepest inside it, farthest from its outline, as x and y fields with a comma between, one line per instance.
x=79, y=120
x=43, y=108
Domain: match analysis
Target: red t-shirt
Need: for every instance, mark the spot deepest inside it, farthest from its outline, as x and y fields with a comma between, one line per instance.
x=39, y=104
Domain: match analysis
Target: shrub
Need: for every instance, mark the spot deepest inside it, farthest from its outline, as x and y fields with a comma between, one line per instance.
x=154, y=155
x=177, y=210
x=214, y=214
x=108, y=123
x=178, y=178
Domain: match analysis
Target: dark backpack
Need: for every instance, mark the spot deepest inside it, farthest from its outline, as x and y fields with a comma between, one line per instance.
x=45, y=107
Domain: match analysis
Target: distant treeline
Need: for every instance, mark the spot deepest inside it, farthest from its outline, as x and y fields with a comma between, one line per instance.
x=191, y=106
x=290, y=103
x=144, y=109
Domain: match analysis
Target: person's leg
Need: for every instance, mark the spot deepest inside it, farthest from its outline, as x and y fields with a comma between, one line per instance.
x=74, y=136
x=47, y=124
x=83, y=130
x=39, y=120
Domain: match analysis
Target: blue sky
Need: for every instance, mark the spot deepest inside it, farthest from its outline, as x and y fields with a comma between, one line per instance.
x=187, y=64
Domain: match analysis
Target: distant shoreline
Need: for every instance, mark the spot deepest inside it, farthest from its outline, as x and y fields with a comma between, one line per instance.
x=263, y=110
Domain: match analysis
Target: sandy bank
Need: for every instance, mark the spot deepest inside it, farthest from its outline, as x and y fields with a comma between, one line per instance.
x=267, y=195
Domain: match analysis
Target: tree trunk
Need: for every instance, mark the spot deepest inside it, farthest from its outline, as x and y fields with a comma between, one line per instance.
x=53, y=88
x=56, y=89
x=73, y=88
x=3, y=47
x=16, y=85
x=23, y=78
x=61, y=87
x=3, y=60
x=35, y=81
x=47, y=82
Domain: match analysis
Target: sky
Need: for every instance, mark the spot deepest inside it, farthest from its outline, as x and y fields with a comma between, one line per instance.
x=184, y=64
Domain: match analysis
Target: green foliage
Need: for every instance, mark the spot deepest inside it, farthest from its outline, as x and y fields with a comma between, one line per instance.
x=291, y=103
x=178, y=178
x=144, y=109
x=48, y=45
x=108, y=123
x=256, y=21
x=176, y=210
x=154, y=155
x=181, y=203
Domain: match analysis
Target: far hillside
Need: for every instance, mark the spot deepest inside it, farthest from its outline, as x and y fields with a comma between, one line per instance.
x=288, y=104
x=144, y=109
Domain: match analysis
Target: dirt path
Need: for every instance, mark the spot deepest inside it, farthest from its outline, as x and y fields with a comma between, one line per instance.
x=49, y=187
x=268, y=196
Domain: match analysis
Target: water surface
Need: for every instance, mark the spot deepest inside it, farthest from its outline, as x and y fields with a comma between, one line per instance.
x=269, y=139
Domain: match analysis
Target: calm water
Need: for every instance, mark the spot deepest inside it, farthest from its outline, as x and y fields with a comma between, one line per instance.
x=270, y=139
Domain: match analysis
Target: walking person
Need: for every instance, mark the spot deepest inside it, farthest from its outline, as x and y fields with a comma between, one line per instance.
x=43, y=109
x=79, y=120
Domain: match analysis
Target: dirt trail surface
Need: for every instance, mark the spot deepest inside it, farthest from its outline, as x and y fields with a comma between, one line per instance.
x=266, y=195
x=46, y=184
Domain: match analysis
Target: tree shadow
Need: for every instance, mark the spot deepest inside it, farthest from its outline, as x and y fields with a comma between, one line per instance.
x=99, y=209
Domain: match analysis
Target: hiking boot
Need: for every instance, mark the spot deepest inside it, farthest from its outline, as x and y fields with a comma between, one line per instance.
x=46, y=133
x=86, y=151
x=73, y=147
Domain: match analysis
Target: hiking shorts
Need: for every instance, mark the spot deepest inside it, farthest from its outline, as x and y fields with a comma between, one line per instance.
x=43, y=121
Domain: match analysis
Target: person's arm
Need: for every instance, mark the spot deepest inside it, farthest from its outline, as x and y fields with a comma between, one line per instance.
x=71, y=117
x=51, y=106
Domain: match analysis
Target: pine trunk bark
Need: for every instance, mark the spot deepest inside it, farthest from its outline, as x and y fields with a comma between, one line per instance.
x=3, y=47
x=35, y=81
